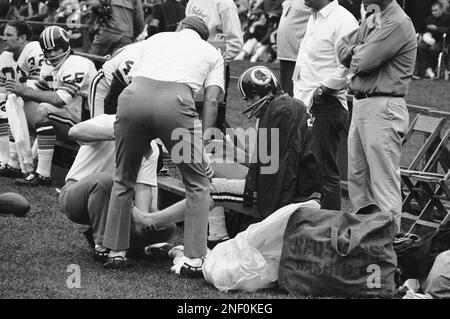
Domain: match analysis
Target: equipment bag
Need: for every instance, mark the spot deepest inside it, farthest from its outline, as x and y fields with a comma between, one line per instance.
x=334, y=253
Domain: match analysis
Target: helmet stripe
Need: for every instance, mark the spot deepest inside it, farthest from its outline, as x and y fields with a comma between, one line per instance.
x=44, y=38
x=52, y=37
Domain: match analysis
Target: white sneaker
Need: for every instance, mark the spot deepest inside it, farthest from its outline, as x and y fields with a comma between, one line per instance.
x=430, y=74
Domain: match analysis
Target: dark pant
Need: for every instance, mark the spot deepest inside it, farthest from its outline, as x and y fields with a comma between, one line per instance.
x=86, y=202
x=286, y=73
x=150, y=109
x=427, y=56
x=330, y=120
x=105, y=42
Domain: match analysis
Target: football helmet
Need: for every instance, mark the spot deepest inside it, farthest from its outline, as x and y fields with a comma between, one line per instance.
x=53, y=38
x=260, y=81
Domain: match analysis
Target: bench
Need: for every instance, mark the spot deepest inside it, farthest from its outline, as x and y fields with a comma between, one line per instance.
x=171, y=190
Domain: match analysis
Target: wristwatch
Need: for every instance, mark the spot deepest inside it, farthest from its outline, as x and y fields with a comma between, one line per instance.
x=319, y=91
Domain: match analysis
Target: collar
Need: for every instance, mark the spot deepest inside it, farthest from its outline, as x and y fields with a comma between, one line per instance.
x=325, y=11
x=378, y=18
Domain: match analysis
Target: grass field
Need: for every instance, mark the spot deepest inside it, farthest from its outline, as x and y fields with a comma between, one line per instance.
x=35, y=251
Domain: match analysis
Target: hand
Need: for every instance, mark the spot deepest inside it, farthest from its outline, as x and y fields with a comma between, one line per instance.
x=14, y=87
x=432, y=27
x=223, y=148
x=208, y=169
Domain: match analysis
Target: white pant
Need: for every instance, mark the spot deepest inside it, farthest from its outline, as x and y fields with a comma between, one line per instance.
x=374, y=151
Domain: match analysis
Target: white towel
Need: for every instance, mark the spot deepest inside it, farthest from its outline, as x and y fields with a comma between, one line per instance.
x=19, y=129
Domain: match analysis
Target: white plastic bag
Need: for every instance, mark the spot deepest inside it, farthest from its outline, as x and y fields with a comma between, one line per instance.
x=250, y=261
x=19, y=129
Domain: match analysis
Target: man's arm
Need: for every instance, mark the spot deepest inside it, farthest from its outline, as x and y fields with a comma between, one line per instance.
x=211, y=101
x=231, y=27
x=28, y=94
x=345, y=48
x=138, y=22
x=338, y=79
x=93, y=131
x=379, y=49
x=117, y=86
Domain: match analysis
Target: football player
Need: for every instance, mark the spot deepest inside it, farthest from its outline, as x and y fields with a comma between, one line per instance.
x=113, y=76
x=21, y=61
x=63, y=79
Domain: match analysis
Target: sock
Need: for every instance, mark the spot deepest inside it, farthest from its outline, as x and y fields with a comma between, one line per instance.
x=115, y=253
x=100, y=248
x=217, y=226
x=4, y=140
x=13, y=157
x=46, y=144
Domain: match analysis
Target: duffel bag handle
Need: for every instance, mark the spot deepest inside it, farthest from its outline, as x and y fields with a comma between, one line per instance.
x=334, y=241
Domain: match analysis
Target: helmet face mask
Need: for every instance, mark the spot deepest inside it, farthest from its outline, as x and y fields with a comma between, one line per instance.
x=258, y=81
x=54, y=39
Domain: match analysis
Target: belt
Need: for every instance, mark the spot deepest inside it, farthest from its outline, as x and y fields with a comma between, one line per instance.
x=361, y=95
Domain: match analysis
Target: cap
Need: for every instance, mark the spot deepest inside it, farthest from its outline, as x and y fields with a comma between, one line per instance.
x=197, y=24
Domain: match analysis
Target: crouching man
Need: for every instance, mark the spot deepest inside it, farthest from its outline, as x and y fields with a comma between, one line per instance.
x=85, y=196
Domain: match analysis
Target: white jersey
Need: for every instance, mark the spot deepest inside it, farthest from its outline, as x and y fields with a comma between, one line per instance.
x=27, y=67
x=121, y=63
x=25, y=70
x=70, y=81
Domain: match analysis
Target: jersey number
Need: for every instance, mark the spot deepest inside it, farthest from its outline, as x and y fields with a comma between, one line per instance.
x=77, y=78
x=12, y=74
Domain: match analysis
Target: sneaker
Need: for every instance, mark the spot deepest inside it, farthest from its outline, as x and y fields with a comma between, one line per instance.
x=8, y=171
x=158, y=251
x=34, y=179
x=191, y=271
x=117, y=262
x=213, y=243
x=101, y=255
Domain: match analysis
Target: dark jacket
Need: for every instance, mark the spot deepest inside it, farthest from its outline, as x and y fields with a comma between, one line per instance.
x=442, y=23
x=297, y=178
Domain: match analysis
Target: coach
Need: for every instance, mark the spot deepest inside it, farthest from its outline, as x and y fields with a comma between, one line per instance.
x=171, y=69
x=320, y=83
x=381, y=54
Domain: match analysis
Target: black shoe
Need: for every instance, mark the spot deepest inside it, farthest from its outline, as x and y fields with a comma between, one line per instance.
x=117, y=262
x=157, y=252
x=213, y=243
x=101, y=256
x=191, y=271
x=8, y=171
x=34, y=179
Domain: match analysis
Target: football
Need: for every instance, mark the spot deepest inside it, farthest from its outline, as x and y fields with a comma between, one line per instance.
x=13, y=204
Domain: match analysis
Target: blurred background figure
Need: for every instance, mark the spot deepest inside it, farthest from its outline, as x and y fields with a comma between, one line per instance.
x=291, y=31
x=165, y=17
x=256, y=33
x=430, y=42
x=120, y=22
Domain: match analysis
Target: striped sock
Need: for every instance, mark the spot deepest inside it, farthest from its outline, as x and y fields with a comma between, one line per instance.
x=13, y=157
x=4, y=140
x=46, y=138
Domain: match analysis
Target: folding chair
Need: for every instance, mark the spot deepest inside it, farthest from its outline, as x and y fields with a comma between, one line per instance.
x=434, y=190
x=430, y=128
x=443, y=66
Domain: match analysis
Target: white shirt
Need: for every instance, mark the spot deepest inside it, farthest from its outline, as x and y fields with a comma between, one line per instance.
x=317, y=61
x=222, y=18
x=98, y=157
x=181, y=57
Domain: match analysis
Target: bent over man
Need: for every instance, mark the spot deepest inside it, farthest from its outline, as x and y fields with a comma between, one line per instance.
x=171, y=70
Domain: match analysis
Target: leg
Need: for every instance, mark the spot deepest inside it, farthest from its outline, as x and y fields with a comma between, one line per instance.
x=329, y=120
x=359, y=179
x=131, y=144
x=286, y=73
x=387, y=124
x=86, y=202
x=422, y=57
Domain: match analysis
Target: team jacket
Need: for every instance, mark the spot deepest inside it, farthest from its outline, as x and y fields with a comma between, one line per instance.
x=297, y=178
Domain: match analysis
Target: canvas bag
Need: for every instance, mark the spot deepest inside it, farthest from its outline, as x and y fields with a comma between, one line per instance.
x=334, y=253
